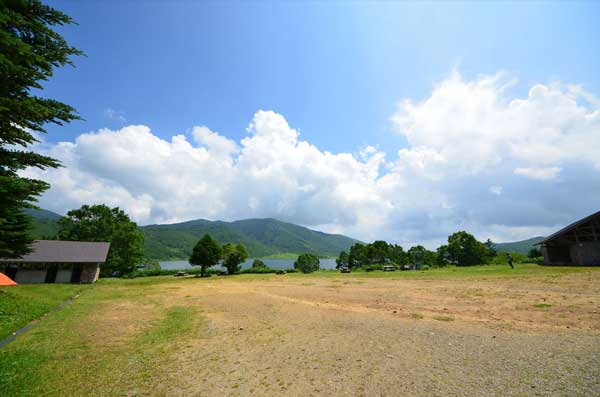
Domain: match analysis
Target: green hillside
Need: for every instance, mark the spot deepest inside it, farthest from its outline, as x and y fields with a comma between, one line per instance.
x=261, y=237
x=522, y=247
x=44, y=222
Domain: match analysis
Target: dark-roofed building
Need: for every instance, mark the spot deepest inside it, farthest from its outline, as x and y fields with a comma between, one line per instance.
x=576, y=244
x=57, y=262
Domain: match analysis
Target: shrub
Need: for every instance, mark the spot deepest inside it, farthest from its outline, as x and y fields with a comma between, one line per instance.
x=258, y=270
x=161, y=272
x=537, y=261
x=502, y=259
x=373, y=267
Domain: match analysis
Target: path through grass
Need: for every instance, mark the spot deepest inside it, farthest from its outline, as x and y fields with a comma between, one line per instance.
x=113, y=338
x=19, y=305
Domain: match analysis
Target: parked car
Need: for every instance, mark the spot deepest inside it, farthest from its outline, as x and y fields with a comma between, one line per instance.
x=345, y=269
x=389, y=268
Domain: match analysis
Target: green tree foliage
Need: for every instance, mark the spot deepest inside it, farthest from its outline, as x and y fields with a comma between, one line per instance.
x=397, y=255
x=342, y=260
x=29, y=52
x=258, y=264
x=206, y=253
x=421, y=256
x=534, y=253
x=307, y=263
x=491, y=248
x=378, y=252
x=101, y=223
x=358, y=255
x=233, y=255
x=442, y=256
x=464, y=250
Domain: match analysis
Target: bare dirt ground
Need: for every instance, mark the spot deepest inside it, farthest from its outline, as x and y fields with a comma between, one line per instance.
x=346, y=335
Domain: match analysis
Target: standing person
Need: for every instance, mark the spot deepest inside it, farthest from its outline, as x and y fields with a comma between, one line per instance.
x=510, y=260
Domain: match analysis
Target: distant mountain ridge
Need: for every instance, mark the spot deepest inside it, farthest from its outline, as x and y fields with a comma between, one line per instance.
x=523, y=246
x=42, y=214
x=45, y=223
x=261, y=237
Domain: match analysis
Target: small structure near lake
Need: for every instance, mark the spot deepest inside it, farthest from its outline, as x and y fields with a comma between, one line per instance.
x=58, y=262
x=576, y=244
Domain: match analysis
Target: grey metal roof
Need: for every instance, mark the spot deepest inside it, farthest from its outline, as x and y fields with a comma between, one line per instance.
x=48, y=251
x=568, y=228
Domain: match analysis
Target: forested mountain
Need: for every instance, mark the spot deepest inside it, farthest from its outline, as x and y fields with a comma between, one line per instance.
x=45, y=223
x=261, y=237
x=522, y=247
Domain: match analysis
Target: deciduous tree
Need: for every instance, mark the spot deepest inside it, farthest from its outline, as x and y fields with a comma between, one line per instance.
x=343, y=260
x=464, y=250
x=534, y=253
x=358, y=255
x=206, y=253
x=420, y=256
x=307, y=263
x=233, y=255
x=258, y=264
x=101, y=223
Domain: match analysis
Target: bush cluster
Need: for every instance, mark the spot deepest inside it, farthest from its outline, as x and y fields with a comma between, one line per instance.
x=258, y=270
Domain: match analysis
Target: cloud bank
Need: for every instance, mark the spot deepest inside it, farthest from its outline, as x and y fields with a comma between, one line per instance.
x=502, y=168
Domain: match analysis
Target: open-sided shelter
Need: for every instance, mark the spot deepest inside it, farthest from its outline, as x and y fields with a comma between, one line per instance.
x=576, y=244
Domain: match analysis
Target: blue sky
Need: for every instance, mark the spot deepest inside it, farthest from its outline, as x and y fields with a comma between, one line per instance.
x=337, y=73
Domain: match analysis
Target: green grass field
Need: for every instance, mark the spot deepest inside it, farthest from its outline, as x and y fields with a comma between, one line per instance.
x=118, y=334
x=19, y=305
x=61, y=340
x=450, y=272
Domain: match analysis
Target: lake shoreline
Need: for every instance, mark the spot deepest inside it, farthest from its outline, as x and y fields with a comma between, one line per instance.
x=284, y=263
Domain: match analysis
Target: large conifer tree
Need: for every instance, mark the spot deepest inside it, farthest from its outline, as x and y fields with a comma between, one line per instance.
x=29, y=51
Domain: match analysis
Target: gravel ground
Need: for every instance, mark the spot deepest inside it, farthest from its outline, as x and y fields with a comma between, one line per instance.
x=366, y=337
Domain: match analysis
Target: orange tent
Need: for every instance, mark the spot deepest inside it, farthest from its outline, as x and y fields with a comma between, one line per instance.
x=5, y=280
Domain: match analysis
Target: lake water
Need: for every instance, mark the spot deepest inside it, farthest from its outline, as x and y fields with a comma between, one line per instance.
x=272, y=263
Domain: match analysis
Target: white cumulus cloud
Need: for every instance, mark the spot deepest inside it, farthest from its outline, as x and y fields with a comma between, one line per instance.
x=539, y=173
x=476, y=159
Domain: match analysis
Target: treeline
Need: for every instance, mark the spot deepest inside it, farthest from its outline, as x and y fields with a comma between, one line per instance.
x=126, y=253
x=208, y=253
x=113, y=225
x=462, y=249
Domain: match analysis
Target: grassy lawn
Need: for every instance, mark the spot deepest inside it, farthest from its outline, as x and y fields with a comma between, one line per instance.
x=121, y=337
x=97, y=330
x=19, y=305
x=453, y=272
